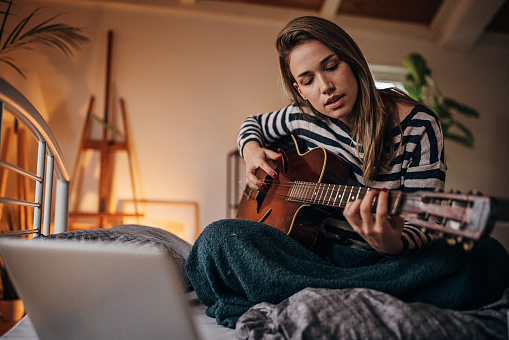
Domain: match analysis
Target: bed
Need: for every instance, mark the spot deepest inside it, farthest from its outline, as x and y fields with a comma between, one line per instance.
x=309, y=314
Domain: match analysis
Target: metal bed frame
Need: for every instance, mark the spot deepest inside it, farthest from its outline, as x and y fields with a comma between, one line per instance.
x=49, y=162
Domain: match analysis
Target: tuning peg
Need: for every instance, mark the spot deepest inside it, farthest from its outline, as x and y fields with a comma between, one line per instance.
x=423, y=230
x=450, y=240
x=468, y=245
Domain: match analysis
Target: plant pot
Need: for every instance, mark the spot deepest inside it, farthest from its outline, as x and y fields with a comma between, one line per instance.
x=12, y=310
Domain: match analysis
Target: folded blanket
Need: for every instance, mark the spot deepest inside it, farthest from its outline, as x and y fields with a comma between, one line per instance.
x=360, y=313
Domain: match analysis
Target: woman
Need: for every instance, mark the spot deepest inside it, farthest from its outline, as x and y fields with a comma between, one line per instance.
x=390, y=142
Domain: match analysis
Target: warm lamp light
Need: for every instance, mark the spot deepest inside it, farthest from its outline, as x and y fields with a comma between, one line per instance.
x=179, y=218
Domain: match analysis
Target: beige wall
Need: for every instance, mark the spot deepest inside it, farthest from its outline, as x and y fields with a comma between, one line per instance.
x=190, y=79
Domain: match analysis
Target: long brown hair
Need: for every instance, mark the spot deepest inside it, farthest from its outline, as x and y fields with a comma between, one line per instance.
x=374, y=113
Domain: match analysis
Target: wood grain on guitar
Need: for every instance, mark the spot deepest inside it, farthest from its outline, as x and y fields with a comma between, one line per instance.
x=312, y=186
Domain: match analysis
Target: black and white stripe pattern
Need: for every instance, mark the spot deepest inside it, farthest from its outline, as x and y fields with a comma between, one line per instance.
x=418, y=165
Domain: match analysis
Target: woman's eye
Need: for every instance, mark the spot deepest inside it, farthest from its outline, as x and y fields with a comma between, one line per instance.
x=332, y=67
x=307, y=81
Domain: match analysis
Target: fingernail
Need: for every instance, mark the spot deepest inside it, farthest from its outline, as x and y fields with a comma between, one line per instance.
x=384, y=190
x=263, y=186
x=275, y=175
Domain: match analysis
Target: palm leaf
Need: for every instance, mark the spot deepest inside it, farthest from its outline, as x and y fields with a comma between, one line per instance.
x=59, y=36
x=9, y=61
x=16, y=31
x=6, y=15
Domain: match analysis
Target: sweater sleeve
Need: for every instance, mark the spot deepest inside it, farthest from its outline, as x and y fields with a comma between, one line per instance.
x=424, y=168
x=267, y=127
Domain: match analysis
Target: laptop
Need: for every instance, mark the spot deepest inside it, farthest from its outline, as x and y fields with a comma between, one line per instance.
x=76, y=290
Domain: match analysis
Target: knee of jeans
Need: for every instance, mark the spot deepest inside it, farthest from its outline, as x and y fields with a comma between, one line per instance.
x=223, y=229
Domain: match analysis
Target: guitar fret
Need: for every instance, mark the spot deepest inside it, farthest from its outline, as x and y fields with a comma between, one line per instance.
x=358, y=193
x=310, y=187
x=307, y=196
x=322, y=193
x=303, y=192
x=297, y=191
x=317, y=192
x=342, y=196
x=291, y=193
x=338, y=187
x=350, y=194
x=332, y=187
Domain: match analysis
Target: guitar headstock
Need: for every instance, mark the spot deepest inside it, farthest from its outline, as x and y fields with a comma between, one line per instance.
x=466, y=216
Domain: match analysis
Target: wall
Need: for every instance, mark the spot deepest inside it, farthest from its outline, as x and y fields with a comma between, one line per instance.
x=189, y=80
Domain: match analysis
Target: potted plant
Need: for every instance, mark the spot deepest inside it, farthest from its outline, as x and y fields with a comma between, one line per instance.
x=421, y=87
x=25, y=34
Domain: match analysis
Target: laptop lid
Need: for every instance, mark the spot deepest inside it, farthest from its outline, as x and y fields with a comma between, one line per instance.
x=76, y=290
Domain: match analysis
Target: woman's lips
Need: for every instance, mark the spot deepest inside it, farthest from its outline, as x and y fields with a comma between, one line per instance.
x=333, y=102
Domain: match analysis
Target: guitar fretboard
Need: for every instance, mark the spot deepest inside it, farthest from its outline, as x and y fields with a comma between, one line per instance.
x=333, y=195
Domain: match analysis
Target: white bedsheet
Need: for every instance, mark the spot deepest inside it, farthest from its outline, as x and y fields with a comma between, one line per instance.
x=207, y=327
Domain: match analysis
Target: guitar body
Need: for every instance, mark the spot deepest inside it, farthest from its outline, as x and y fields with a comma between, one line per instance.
x=301, y=221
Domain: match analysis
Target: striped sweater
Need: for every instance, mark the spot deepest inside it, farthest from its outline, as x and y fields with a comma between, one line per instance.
x=418, y=165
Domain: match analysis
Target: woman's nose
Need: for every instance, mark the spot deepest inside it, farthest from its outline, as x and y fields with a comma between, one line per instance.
x=325, y=84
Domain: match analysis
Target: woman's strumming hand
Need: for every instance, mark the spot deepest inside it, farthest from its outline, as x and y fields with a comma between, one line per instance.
x=256, y=158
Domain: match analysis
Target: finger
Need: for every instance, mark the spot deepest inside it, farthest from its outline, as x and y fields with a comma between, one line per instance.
x=252, y=181
x=273, y=155
x=382, y=207
x=351, y=212
x=268, y=170
x=366, y=210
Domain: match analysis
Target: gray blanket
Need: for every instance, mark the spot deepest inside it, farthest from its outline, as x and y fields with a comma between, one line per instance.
x=360, y=313
x=133, y=234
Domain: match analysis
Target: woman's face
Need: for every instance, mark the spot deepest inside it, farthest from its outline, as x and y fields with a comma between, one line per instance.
x=322, y=79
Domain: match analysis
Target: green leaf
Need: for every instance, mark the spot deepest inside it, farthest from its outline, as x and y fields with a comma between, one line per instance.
x=464, y=135
x=461, y=108
x=421, y=87
x=417, y=68
x=59, y=36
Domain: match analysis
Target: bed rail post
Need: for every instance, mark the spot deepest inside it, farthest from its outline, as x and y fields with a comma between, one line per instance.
x=48, y=197
x=61, y=206
x=39, y=186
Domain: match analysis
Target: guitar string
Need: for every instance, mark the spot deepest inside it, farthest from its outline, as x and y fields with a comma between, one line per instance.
x=336, y=192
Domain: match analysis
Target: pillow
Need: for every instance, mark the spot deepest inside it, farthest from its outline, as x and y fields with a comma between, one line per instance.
x=133, y=234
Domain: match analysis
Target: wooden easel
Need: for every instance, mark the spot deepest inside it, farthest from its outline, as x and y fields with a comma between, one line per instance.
x=16, y=134
x=106, y=146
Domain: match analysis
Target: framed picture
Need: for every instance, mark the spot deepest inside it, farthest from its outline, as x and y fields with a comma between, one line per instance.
x=179, y=218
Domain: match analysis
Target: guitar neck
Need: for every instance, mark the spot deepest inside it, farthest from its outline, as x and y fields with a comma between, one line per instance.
x=336, y=195
x=464, y=215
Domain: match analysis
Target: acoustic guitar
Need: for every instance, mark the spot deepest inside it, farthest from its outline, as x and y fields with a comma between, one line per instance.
x=312, y=186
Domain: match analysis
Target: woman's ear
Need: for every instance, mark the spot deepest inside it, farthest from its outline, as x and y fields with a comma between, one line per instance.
x=296, y=86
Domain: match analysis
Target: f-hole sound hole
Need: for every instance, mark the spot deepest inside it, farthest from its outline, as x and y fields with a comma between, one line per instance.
x=262, y=194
